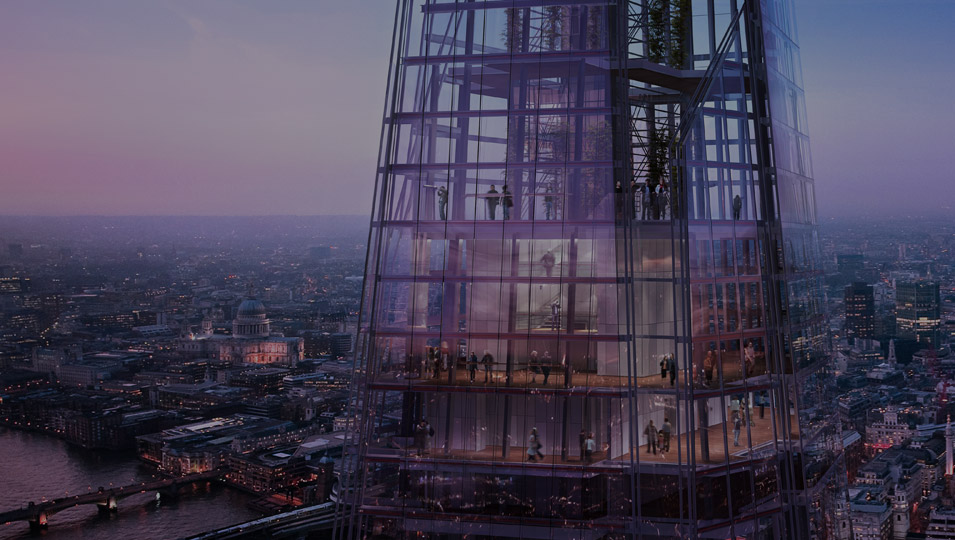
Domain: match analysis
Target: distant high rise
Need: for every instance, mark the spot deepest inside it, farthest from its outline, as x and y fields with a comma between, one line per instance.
x=593, y=304
x=918, y=311
x=849, y=266
x=860, y=311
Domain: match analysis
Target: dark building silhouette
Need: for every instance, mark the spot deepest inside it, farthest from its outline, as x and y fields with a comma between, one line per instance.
x=860, y=311
x=849, y=266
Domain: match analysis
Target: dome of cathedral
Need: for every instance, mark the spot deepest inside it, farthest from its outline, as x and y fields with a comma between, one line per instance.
x=250, y=308
x=250, y=320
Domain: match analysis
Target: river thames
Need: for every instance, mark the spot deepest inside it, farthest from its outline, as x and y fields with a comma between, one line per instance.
x=34, y=466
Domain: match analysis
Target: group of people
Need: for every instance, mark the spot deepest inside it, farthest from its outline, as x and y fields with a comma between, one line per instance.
x=658, y=439
x=588, y=446
x=540, y=365
x=487, y=361
x=495, y=198
x=438, y=361
x=668, y=368
x=707, y=370
x=537, y=364
x=654, y=199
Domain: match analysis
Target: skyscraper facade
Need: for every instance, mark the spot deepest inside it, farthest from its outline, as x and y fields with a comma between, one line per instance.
x=593, y=305
x=918, y=313
x=860, y=311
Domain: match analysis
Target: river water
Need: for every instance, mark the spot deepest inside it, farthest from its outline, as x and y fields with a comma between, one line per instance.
x=35, y=466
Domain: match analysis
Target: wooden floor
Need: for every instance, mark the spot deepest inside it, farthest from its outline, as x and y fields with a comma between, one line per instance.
x=758, y=435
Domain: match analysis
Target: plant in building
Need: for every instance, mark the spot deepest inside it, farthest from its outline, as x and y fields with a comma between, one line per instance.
x=679, y=30
x=551, y=27
x=513, y=29
x=594, y=27
x=656, y=35
x=668, y=24
x=658, y=157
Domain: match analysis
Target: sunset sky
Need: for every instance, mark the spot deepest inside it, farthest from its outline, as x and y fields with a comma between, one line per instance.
x=252, y=107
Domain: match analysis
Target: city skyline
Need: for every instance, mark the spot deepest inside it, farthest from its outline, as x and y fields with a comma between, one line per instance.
x=477, y=269
x=224, y=108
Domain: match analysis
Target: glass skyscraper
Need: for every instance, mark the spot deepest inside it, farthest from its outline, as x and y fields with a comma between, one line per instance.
x=593, y=306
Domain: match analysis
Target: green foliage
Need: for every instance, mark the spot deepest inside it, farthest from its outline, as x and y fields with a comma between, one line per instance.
x=553, y=21
x=658, y=158
x=679, y=30
x=594, y=27
x=513, y=29
x=656, y=30
x=668, y=25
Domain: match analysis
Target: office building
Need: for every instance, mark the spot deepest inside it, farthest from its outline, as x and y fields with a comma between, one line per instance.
x=593, y=304
x=860, y=311
x=917, y=311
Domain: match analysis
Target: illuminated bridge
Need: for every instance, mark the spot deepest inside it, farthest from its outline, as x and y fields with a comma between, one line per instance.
x=106, y=500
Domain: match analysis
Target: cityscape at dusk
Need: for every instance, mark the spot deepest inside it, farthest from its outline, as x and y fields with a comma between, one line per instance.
x=467, y=269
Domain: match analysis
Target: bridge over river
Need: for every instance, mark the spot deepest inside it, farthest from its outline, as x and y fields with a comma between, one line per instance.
x=37, y=514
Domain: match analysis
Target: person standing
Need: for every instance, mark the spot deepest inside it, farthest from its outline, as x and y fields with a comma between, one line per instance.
x=492, y=201
x=488, y=361
x=507, y=202
x=534, y=446
x=618, y=198
x=737, y=206
x=436, y=364
x=749, y=359
x=555, y=315
x=546, y=361
x=583, y=444
x=671, y=368
x=763, y=398
x=428, y=434
x=737, y=428
x=651, y=432
x=666, y=429
x=734, y=405
x=472, y=366
x=709, y=365
x=423, y=434
x=419, y=438
x=548, y=261
x=534, y=365
x=443, y=202
x=590, y=447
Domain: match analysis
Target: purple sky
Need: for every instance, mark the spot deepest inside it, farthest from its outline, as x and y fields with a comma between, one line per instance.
x=246, y=107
